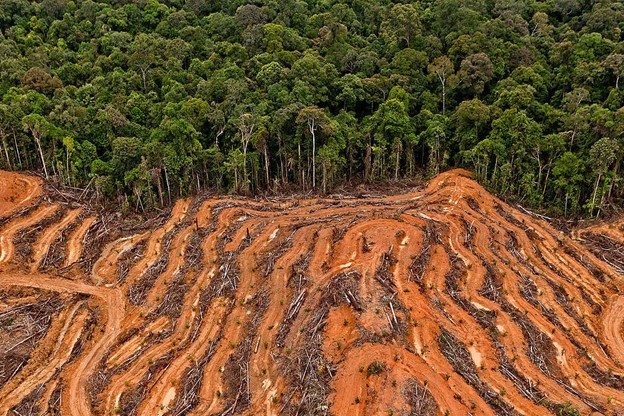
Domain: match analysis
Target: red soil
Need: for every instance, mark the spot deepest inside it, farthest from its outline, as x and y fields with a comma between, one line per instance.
x=444, y=301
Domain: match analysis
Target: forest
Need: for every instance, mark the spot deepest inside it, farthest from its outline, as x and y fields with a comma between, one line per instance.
x=143, y=101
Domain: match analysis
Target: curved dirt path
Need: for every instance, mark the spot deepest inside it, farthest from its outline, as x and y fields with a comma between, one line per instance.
x=42, y=246
x=17, y=191
x=75, y=241
x=7, y=233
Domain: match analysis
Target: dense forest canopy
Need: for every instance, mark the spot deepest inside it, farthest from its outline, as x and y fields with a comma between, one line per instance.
x=147, y=100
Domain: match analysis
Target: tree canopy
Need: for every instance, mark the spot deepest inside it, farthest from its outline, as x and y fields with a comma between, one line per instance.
x=152, y=99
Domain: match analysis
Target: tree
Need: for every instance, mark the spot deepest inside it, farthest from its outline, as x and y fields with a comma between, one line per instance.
x=8, y=123
x=314, y=119
x=568, y=177
x=145, y=54
x=435, y=137
x=246, y=123
x=39, y=128
x=615, y=62
x=475, y=71
x=470, y=119
x=402, y=23
x=40, y=79
x=601, y=156
x=393, y=127
x=443, y=69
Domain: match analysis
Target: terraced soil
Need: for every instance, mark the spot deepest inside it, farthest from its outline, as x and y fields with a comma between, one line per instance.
x=442, y=300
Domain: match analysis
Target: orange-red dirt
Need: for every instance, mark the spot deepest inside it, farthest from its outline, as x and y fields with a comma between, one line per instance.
x=440, y=301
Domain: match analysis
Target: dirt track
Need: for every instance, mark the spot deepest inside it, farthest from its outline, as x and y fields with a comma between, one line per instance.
x=439, y=300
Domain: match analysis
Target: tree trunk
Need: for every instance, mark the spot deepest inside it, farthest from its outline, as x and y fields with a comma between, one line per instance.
x=67, y=167
x=396, y=167
x=444, y=97
x=245, y=185
x=312, y=130
x=159, y=188
x=19, y=157
x=324, y=176
x=38, y=141
x=266, y=165
x=301, y=173
x=6, y=150
x=615, y=175
x=168, y=187
x=367, y=161
x=594, y=196
x=546, y=179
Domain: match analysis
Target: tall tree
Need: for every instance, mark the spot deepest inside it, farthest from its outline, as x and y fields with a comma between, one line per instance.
x=39, y=128
x=443, y=69
x=314, y=119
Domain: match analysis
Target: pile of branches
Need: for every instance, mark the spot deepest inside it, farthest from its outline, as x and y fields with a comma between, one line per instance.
x=526, y=386
x=187, y=398
x=457, y=271
x=562, y=298
x=112, y=225
x=419, y=398
x=469, y=234
x=607, y=249
x=18, y=214
x=30, y=404
x=460, y=359
x=128, y=258
x=56, y=190
x=173, y=300
x=431, y=237
x=492, y=287
x=137, y=292
x=383, y=274
x=272, y=256
x=606, y=378
x=131, y=399
x=236, y=370
x=512, y=247
x=307, y=370
x=473, y=204
x=23, y=327
x=594, y=270
x=54, y=403
x=299, y=283
x=86, y=333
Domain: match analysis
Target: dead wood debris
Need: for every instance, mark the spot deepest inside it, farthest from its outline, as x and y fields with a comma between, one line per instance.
x=23, y=326
x=459, y=357
x=419, y=398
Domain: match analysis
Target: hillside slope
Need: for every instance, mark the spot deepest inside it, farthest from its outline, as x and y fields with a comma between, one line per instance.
x=443, y=300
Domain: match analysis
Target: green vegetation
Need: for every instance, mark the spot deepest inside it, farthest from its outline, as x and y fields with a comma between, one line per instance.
x=375, y=368
x=147, y=100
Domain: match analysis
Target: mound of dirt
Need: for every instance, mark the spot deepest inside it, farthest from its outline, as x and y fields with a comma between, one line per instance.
x=442, y=300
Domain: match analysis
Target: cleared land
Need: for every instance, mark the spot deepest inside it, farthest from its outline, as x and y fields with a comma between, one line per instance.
x=443, y=299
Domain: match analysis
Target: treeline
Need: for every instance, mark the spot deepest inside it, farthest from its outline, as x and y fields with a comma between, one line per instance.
x=146, y=100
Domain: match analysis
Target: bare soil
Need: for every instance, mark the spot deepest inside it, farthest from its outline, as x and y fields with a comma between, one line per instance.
x=437, y=300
